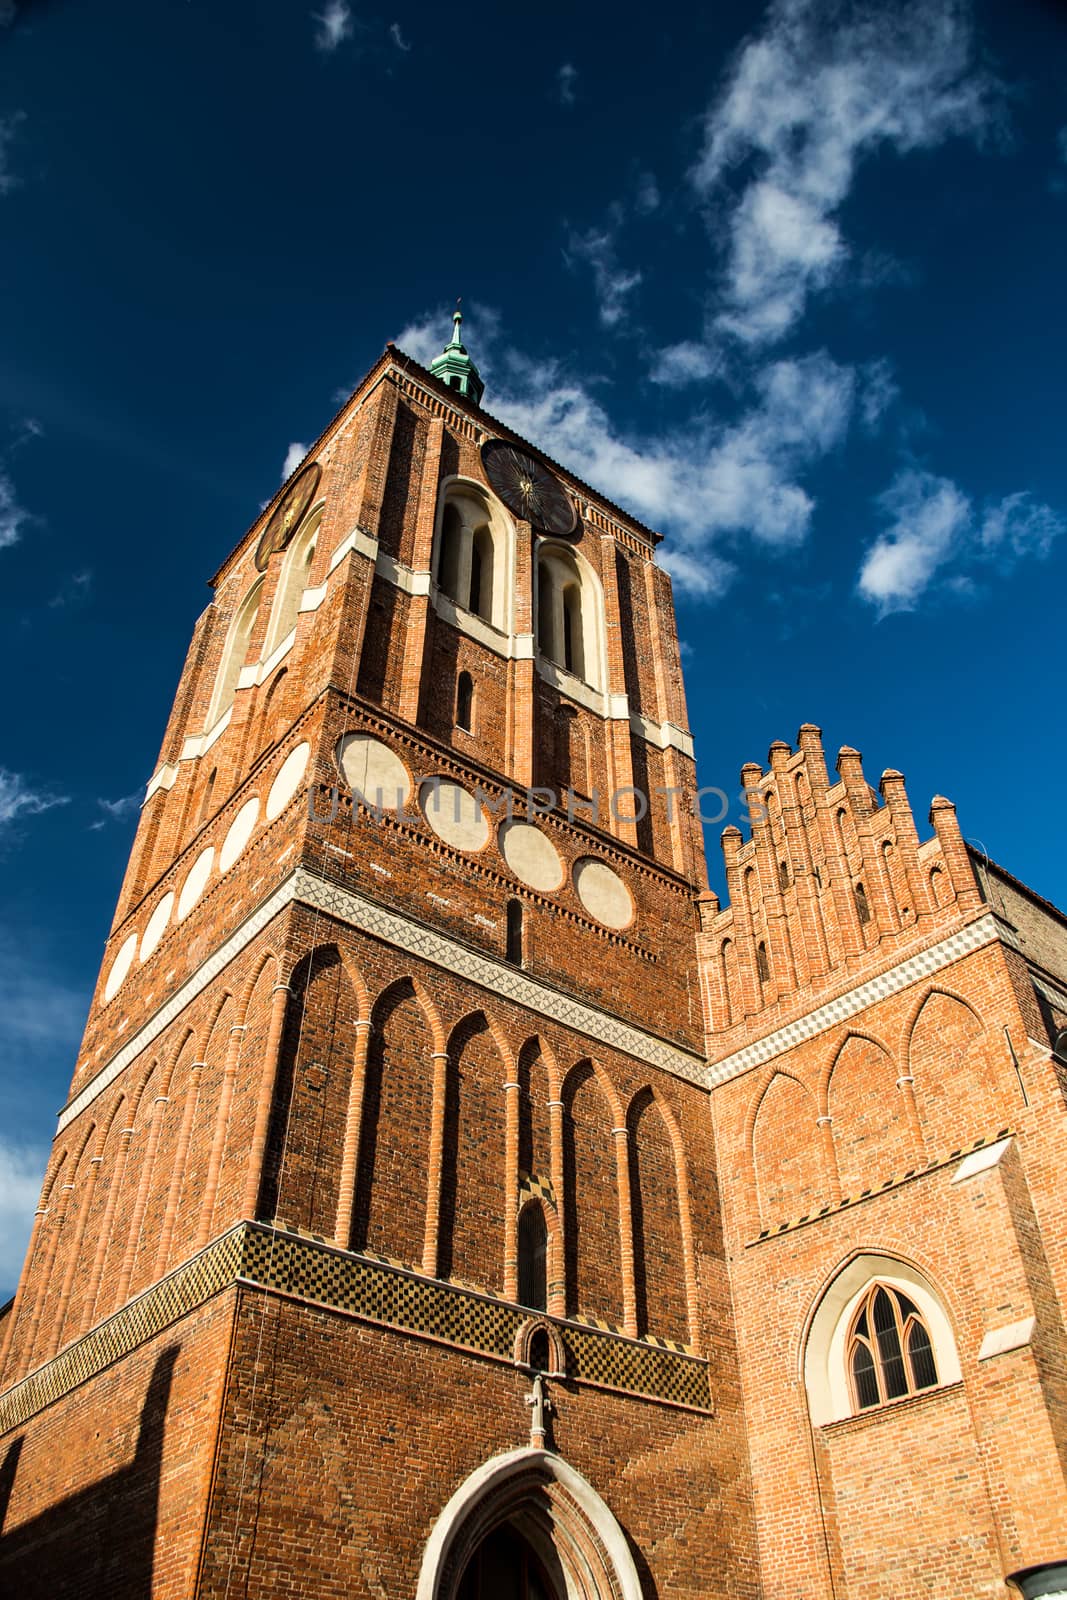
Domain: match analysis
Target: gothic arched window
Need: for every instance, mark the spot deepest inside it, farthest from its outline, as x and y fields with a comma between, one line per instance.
x=469, y=562
x=890, y=1353
x=763, y=966
x=234, y=653
x=863, y=909
x=533, y=1257
x=296, y=569
x=567, y=614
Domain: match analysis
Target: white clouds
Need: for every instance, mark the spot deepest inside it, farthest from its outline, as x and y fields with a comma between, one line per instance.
x=73, y=591
x=293, y=457
x=679, y=364
x=334, y=25
x=807, y=100
x=878, y=391
x=397, y=37
x=18, y=800
x=614, y=284
x=21, y=1174
x=127, y=805
x=710, y=485
x=567, y=84
x=934, y=531
x=426, y=337
x=12, y=515
x=646, y=198
x=8, y=126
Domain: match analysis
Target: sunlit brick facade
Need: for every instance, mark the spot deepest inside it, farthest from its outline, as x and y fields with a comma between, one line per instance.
x=451, y=1199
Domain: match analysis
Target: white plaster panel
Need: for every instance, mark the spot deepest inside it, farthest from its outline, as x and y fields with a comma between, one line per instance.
x=1014, y=1336
x=196, y=881
x=373, y=771
x=240, y=832
x=603, y=893
x=454, y=814
x=532, y=856
x=980, y=1161
x=156, y=925
x=287, y=780
x=120, y=967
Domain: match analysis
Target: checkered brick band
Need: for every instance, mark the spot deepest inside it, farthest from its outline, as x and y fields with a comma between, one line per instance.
x=262, y=1257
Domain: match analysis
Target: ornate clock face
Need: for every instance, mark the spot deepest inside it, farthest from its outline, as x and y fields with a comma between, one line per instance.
x=288, y=514
x=528, y=488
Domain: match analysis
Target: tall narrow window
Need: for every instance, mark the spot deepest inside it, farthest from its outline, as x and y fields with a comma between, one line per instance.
x=513, y=952
x=783, y=875
x=448, y=571
x=889, y=1349
x=205, y=804
x=464, y=701
x=533, y=1258
x=292, y=582
x=573, y=653
x=481, y=590
x=234, y=653
x=863, y=910
x=763, y=966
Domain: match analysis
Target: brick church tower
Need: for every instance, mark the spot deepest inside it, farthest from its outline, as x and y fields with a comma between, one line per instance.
x=379, y=1252
x=453, y=1200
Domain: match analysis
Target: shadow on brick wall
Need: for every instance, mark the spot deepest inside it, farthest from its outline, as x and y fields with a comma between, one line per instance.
x=100, y=1541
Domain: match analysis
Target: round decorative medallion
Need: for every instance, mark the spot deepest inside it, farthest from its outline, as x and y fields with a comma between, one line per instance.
x=603, y=893
x=120, y=967
x=454, y=814
x=196, y=882
x=157, y=925
x=528, y=488
x=532, y=856
x=240, y=832
x=287, y=781
x=373, y=772
x=288, y=514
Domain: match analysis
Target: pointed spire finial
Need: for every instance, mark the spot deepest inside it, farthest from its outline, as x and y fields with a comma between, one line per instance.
x=454, y=366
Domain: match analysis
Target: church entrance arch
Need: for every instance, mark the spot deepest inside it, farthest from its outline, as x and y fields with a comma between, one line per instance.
x=527, y=1526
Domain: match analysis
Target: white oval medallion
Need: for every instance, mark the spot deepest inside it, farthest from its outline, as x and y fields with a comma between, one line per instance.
x=196, y=882
x=453, y=814
x=532, y=856
x=157, y=925
x=603, y=893
x=239, y=834
x=120, y=967
x=287, y=781
x=373, y=772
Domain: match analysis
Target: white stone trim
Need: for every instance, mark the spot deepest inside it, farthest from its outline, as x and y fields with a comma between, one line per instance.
x=404, y=933
x=976, y=934
x=164, y=778
x=619, y=708
x=259, y=671
x=574, y=688
x=494, y=1474
x=662, y=735
x=196, y=743
x=474, y=626
x=365, y=543
x=1014, y=1336
x=980, y=1161
x=400, y=576
x=311, y=599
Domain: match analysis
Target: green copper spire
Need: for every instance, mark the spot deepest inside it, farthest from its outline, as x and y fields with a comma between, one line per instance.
x=454, y=366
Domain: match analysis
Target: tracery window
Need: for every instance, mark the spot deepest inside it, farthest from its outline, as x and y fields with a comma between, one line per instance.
x=890, y=1353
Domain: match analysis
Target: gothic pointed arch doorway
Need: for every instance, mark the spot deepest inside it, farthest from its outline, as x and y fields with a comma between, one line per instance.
x=527, y=1526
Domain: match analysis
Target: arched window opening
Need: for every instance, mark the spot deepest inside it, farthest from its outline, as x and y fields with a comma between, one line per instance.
x=293, y=581
x=763, y=966
x=573, y=651
x=863, y=910
x=481, y=589
x=464, y=701
x=233, y=656
x=539, y=1356
x=533, y=1265
x=566, y=622
x=890, y=1353
x=513, y=952
x=783, y=876
x=448, y=571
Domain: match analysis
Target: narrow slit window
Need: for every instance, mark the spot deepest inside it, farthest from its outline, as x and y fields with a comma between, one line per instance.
x=863, y=910
x=464, y=702
x=533, y=1258
x=763, y=966
x=514, y=934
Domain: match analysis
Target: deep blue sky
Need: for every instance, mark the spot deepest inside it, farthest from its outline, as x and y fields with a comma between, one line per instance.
x=843, y=227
